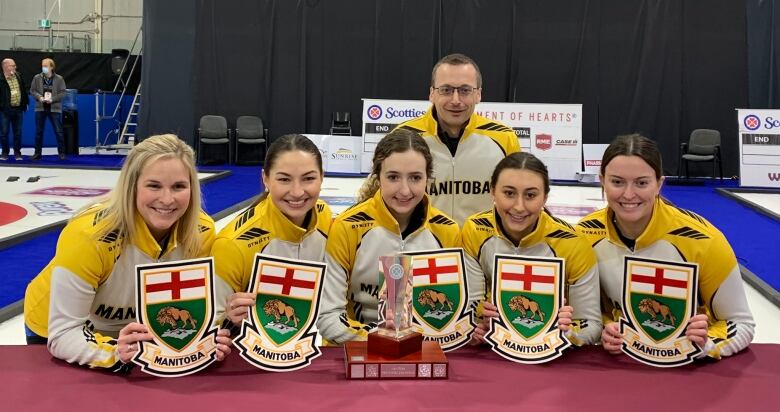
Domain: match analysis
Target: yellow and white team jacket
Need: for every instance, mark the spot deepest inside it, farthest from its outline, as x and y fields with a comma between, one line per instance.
x=678, y=235
x=263, y=228
x=461, y=185
x=86, y=294
x=358, y=237
x=483, y=237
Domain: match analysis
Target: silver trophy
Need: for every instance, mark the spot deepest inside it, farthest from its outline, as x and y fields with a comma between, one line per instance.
x=395, y=335
x=398, y=287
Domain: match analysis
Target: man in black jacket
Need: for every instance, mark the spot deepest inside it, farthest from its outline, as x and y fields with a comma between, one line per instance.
x=13, y=104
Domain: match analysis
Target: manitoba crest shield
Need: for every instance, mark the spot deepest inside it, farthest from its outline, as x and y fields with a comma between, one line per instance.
x=440, y=297
x=176, y=302
x=658, y=299
x=528, y=292
x=277, y=335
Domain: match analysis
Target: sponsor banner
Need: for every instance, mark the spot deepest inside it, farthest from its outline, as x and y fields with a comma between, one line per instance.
x=278, y=335
x=591, y=158
x=528, y=292
x=759, y=147
x=339, y=153
x=176, y=302
x=552, y=132
x=440, y=297
x=659, y=297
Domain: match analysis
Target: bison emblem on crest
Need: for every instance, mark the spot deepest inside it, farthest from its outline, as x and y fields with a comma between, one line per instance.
x=523, y=305
x=170, y=315
x=277, y=309
x=655, y=308
x=432, y=297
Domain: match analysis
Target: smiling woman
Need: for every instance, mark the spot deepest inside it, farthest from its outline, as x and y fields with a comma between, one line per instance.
x=288, y=220
x=152, y=215
x=639, y=223
x=392, y=215
x=518, y=224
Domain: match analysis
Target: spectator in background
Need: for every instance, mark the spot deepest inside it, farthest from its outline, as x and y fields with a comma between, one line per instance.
x=48, y=88
x=13, y=104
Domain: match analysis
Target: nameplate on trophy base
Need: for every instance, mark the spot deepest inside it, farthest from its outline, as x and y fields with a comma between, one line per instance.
x=383, y=342
x=428, y=363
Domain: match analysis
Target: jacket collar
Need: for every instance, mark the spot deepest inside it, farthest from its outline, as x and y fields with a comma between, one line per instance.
x=145, y=241
x=281, y=226
x=655, y=227
x=386, y=219
x=536, y=235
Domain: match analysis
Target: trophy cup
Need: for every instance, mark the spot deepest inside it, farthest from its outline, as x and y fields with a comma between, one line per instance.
x=396, y=350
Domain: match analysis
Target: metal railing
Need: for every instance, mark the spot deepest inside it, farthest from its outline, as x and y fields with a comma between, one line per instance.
x=67, y=42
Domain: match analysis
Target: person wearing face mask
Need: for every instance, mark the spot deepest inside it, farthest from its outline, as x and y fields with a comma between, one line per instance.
x=287, y=220
x=465, y=146
x=639, y=222
x=83, y=305
x=393, y=215
x=13, y=104
x=48, y=89
x=519, y=224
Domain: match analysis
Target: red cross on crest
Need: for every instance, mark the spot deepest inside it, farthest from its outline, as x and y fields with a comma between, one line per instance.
x=527, y=277
x=659, y=281
x=432, y=271
x=175, y=285
x=288, y=281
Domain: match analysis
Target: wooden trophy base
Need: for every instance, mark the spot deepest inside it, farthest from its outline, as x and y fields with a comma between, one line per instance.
x=392, y=346
x=428, y=363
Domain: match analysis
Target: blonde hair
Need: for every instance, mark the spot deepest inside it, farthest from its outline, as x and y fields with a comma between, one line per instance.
x=119, y=208
x=398, y=141
x=50, y=61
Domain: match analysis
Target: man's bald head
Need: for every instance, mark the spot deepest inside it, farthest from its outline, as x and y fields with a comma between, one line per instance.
x=9, y=67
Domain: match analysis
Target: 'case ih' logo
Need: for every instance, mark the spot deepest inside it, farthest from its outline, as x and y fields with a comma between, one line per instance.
x=543, y=141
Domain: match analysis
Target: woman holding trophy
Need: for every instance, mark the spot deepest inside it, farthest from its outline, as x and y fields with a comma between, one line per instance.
x=393, y=215
x=519, y=224
x=288, y=220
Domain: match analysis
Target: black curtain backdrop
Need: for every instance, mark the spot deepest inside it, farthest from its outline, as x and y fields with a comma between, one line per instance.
x=658, y=67
x=167, y=91
x=763, y=36
x=85, y=72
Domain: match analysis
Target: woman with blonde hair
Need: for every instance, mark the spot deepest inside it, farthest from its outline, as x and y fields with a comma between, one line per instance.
x=393, y=215
x=82, y=304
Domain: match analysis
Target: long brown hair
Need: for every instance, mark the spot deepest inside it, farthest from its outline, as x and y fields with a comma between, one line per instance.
x=634, y=145
x=282, y=145
x=522, y=161
x=398, y=141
